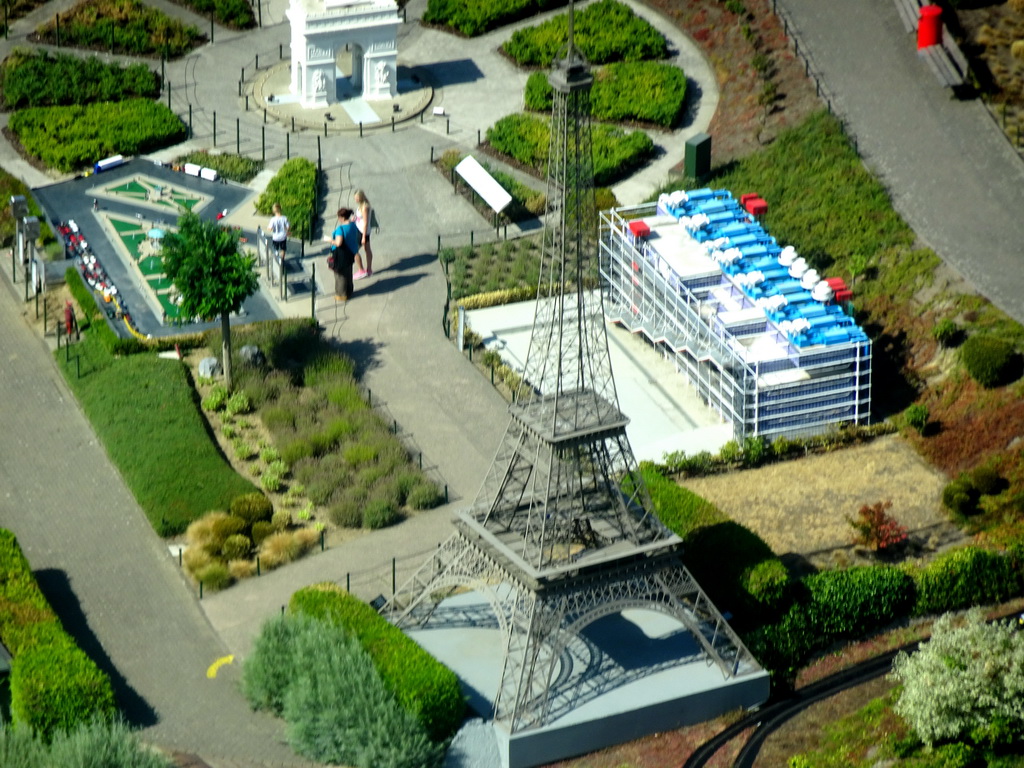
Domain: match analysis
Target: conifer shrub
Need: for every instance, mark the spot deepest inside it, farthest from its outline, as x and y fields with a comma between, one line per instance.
x=988, y=359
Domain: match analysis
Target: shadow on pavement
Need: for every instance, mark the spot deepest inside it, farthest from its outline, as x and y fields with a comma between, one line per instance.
x=57, y=589
x=411, y=262
x=363, y=353
x=455, y=72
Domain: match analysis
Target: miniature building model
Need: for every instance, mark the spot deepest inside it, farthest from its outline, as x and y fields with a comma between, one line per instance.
x=563, y=533
x=764, y=340
x=320, y=28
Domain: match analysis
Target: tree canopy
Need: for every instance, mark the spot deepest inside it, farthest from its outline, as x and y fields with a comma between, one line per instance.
x=210, y=272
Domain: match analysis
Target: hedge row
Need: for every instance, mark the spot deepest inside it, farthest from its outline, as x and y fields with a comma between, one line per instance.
x=421, y=684
x=120, y=26
x=613, y=96
x=603, y=32
x=295, y=188
x=990, y=360
x=73, y=137
x=617, y=153
x=41, y=79
x=54, y=685
x=474, y=17
x=835, y=605
x=785, y=621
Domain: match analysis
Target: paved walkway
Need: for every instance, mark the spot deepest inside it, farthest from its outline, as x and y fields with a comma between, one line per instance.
x=950, y=171
x=101, y=564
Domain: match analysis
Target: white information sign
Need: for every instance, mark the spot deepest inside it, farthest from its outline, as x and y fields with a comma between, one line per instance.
x=483, y=184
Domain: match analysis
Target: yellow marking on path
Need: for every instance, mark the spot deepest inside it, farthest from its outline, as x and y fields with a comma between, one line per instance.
x=212, y=671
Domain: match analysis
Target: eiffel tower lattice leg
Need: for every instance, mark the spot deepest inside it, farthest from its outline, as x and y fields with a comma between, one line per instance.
x=456, y=563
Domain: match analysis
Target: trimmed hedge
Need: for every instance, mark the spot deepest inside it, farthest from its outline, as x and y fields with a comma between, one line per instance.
x=421, y=684
x=732, y=564
x=69, y=138
x=617, y=153
x=295, y=188
x=613, y=97
x=472, y=17
x=962, y=578
x=857, y=600
x=604, y=32
x=988, y=359
x=41, y=79
x=55, y=686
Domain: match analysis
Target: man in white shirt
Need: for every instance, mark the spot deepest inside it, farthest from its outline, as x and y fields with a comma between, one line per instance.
x=279, y=228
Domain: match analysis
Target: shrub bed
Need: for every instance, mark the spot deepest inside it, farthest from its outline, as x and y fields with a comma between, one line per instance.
x=422, y=685
x=73, y=137
x=613, y=97
x=128, y=400
x=236, y=14
x=42, y=79
x=122, y=27
x=295, y=188
x=54, y=685
x=525, y=139
x=604, y=32
x=94, y=744
x=231, y=167
x=328, y=440
x=474, y=18
x=339, y=711
x=526, y=202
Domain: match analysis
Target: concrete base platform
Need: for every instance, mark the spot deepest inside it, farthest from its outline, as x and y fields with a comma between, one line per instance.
x=628, y=675
x=665, y=412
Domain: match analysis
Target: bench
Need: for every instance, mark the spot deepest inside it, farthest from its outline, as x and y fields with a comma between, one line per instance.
x=946, y=60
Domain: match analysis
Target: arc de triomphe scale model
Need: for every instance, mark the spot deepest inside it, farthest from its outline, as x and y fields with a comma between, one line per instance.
x=320, y=28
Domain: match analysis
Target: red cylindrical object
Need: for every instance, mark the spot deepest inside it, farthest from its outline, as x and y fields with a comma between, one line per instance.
x=929, y=26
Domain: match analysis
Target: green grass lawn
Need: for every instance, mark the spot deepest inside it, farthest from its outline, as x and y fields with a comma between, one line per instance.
x=144, y=411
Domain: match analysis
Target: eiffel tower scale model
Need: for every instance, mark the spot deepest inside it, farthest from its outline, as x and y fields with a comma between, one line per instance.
x=562, y=535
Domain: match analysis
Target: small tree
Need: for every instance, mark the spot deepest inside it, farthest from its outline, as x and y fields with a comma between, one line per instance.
x=966, y=682
x=213, y=276
x=876, y=528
